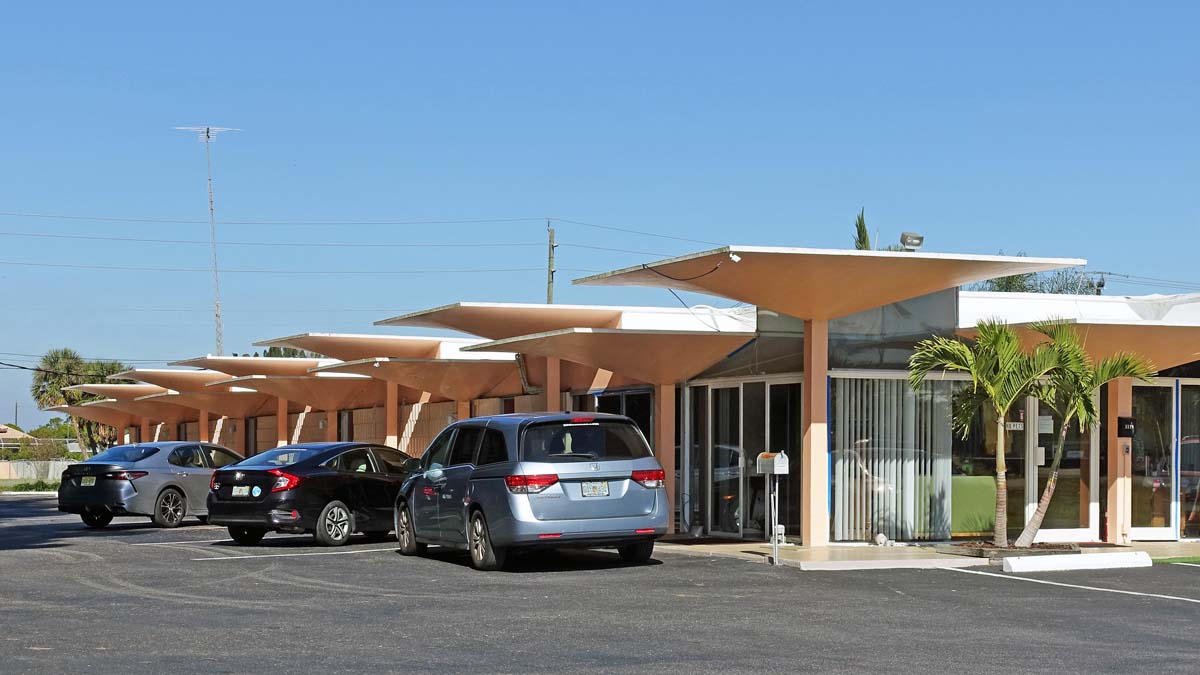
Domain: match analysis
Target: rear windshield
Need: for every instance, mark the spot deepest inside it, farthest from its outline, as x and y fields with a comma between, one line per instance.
x=125, y=453
x=280, y=457
x=582, y=442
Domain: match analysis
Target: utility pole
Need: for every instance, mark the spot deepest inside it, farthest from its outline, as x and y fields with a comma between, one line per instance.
x=550, y=264
x=207, y=136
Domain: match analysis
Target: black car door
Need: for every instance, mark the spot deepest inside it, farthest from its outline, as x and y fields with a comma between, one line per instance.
x=361, y=485
x=456, y=477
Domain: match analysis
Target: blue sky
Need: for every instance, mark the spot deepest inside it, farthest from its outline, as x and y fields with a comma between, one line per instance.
x=1056, y=129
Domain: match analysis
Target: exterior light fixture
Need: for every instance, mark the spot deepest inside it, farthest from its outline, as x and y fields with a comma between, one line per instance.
x=911, y=241
x=735, y=257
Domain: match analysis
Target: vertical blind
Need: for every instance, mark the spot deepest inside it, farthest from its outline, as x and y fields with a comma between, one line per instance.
x=891, y=459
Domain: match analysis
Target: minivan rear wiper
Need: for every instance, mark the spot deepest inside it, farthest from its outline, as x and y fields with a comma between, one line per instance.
x=586, y=455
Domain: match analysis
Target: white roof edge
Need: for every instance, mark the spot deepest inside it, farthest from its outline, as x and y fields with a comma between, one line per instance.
x=645, y=309
x=385, y=336
x=608, y=331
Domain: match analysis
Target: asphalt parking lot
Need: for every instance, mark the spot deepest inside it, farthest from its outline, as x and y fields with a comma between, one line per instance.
x=133, y=598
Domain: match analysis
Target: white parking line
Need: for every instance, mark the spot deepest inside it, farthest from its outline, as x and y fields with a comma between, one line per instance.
x=1187, y=564
x=297, y=555
x=171, y=543
x=1086, y=588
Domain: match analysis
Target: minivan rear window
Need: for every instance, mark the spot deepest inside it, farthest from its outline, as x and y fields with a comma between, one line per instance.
x=582, y=442
x=125, y=453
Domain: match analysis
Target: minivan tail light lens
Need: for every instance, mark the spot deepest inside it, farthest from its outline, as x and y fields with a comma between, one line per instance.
x=649, y=478
x=520, y=485
x=283, y=480
x=125, y=475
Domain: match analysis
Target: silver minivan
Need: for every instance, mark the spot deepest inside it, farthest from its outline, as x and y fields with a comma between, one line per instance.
x=537, y=480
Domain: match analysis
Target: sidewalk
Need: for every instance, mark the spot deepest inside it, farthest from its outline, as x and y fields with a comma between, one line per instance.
x=867, y=557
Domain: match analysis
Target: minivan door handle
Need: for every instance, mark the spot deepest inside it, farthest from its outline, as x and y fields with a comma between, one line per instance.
x=439, y=483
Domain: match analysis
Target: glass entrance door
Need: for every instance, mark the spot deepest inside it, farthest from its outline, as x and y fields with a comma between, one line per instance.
x=1153, y=493
x=725, y=482
x=1189, y=460
x=1074, y=511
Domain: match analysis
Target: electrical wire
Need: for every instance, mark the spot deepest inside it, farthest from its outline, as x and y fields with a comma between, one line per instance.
x=668, y=276
x=178, y=221
x=272, y=244
x=195, y=270
x=632, y=231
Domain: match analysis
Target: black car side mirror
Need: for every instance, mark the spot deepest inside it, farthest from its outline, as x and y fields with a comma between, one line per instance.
x=412, y=465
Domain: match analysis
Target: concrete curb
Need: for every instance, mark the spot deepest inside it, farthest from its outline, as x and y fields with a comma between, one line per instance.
x=30, y=494
x=1081, y=561
x=898, y=564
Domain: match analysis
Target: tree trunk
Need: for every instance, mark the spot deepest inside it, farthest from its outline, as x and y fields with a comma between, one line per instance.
x=1000, y=528
x=1035, y=523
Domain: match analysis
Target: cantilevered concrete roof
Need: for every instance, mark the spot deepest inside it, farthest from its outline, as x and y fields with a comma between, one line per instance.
x=497, y=320
x=175, y=379
x=818, y=283
x=655, y=356
x=152, y=410
x=238, y=403
x=100, y=415
x=1164, y=345
x=460, y=379
x=327, y=392
x=119, y=391
x=239, y=366
x=351, y=347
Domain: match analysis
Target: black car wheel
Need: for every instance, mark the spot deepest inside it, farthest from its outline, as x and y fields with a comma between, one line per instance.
x=169, y=508
x=247, y=536
x=636, y=553
x=334, y=525
x=406, y=536
x=96, y=517
x=484, y=556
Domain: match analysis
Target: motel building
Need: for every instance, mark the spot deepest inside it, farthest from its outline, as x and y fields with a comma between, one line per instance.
x=813, y=363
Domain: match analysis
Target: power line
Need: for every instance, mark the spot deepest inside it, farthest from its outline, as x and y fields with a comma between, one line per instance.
x=632, y=231
x=272, y=244
x=323, y=223
x=193, y=270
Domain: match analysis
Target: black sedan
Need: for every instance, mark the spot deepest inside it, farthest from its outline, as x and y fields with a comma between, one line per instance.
x=329, y=489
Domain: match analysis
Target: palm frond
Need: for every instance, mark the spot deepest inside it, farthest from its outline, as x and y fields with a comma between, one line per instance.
x=862, y=238
x=938, y=353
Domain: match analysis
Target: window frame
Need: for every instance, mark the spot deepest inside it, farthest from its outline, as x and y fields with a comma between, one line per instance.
x=503, y=440
x=473, y=453
x=426, y=459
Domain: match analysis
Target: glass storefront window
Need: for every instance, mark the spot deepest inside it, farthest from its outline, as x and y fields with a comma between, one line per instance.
x=726, y=459
x=1189, y=461
x=973, y=507
x=787, y=436
x=754, y=442
x=1069, y=505
x=1153, y=456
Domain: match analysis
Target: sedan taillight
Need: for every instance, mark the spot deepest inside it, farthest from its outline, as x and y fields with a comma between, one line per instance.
x=283, y=480
x=521, y=485
x=125, y=475
x=649, y=478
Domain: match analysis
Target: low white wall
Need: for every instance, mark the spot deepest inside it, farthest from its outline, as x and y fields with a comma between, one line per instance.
x=30, y=470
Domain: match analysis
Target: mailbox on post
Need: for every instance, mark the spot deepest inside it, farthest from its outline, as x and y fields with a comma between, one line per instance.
x=772, y=465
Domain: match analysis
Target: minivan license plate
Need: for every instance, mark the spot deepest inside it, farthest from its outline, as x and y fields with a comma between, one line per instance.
x=241, y=490
x=595, y=488
x=87, y=481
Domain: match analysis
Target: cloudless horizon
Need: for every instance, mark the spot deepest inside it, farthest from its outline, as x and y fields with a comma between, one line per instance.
x=1051, y=129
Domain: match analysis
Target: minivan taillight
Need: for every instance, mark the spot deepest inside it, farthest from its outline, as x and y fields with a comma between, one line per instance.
x=125, y=475
x=649, y=478
x=283, y=480
x=520, y=485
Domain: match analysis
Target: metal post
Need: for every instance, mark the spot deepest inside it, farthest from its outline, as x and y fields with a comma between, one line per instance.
x=212, y=233
x=550, y=265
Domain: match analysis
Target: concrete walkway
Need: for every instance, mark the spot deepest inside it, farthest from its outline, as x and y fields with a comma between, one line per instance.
x=868, y=557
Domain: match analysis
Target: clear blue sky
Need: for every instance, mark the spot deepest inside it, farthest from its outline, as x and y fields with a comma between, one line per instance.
x=1056, y=129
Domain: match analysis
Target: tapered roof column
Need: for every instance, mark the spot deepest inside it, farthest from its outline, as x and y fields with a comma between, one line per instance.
x=1120, y=463
x=144, y=436
x=553, y=384
x=281, y=422
x=331, y=425
x=391, y=415
x=205, y=436
x=462, y=410
x=664, y=443
x=814, y=454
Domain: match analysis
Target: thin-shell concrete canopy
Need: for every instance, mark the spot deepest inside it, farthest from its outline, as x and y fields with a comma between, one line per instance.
x=150, y=410
x=121, y=392
x=350, y=347
x=498, y=320
x=821, y=284
x=457, y=379
x=328, y=393
x=237, y=403
x=1164, y=345
x=99, y=415
x=175, y=379
x=239, y=366
x=655, y=356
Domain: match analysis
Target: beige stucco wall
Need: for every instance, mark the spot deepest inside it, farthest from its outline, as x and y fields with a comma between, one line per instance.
x=369, y=425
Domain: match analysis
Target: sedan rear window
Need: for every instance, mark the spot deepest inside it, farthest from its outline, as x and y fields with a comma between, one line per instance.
x=125, y=453
x=280, y=457
x=582, y=442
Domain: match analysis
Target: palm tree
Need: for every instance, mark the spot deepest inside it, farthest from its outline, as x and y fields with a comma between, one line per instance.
x=862, y=237
x=62, y=368
x=1002, y=374
x=1069, y=392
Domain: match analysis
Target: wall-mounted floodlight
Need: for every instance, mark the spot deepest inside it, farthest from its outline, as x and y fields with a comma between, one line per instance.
x=911, y=241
